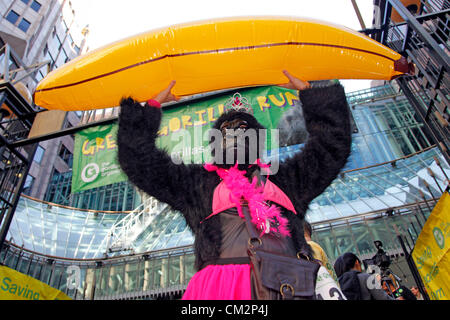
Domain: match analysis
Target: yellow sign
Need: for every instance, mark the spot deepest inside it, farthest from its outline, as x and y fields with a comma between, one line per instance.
x=431, y=253
x=18, y=286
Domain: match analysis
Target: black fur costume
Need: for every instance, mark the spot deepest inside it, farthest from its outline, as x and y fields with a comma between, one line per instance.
x=189, y=188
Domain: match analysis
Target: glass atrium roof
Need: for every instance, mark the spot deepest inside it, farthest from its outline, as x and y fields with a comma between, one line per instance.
x=73, y=233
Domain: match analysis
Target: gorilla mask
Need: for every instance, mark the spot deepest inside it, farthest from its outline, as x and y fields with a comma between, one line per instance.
x=236, y=137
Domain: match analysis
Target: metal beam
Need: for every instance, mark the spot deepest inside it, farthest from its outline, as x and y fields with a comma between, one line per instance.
x=61, y=133
x=358, y=14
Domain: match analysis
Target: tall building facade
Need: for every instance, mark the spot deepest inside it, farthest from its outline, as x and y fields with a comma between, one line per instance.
x=43, y=35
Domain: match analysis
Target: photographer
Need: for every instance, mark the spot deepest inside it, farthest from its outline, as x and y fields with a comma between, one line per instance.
x=355, y=284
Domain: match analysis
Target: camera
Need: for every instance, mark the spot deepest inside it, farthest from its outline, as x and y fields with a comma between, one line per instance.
x=380, y=259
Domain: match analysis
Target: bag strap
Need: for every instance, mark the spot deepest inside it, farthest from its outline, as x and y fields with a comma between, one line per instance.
x=253, y=234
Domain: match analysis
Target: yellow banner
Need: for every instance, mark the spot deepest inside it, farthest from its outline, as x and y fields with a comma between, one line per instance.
x=431, y=251
x=18, y=286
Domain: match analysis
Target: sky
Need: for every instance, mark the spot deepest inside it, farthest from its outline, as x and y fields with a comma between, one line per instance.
x=112, y=20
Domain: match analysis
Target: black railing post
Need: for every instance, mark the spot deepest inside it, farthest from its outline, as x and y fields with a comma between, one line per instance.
x=7, y=219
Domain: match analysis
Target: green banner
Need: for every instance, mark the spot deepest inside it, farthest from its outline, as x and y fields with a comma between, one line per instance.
x=183, y=133
x=184, y=129
x=95, y=158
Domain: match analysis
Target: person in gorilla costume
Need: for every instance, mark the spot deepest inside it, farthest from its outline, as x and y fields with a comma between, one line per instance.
x=210, y=196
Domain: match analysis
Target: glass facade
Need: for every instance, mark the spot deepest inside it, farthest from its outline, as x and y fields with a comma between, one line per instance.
x=75, y=233
x=58, y=231
x=385, y=128
x=162, y=274
x=116, y=197
x=393, y=184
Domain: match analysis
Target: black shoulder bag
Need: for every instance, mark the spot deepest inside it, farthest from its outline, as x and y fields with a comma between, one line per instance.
x=279, y=276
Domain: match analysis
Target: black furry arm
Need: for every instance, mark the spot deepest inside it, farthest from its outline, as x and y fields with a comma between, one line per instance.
x=152, y=169
x=308, y=173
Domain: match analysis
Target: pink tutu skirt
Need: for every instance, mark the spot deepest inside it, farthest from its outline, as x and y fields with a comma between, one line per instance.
x=220, y=282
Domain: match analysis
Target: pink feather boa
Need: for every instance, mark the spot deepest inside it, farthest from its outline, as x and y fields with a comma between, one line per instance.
x=266, y=218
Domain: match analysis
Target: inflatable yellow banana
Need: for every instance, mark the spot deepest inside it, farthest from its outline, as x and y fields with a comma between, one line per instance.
x=212, y=55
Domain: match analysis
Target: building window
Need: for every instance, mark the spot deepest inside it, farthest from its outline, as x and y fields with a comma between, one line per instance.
x=39, y=76
x=65, y=155
x=28, y=185
x=76, y=49
x=39, y=154
x=48, y=56
x=24, y=25
x=63, y=58
x=36, y=6
x=12, y=17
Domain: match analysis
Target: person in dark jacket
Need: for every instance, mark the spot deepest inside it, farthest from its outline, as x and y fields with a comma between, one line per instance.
x=197, y=191
x=355, y=284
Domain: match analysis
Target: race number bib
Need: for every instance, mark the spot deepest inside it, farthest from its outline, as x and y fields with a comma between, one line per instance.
x=326, y=286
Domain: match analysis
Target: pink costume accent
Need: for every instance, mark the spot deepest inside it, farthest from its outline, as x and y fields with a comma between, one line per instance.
x=233, y=281
x=153, y=103
x=222, y=202
x=220, y=282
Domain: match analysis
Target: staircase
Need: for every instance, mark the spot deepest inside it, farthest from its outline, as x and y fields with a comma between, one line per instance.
x=422, y=37
x=127, y=230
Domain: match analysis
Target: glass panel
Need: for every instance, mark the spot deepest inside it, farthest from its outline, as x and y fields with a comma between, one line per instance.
x=24, y=25
x=156, y=273
x=56, y=276
x=326, y=240
x=363, y=239
x=381, y=232
x=12, y=17
x=344, y=239
x=62, y=285
x=131, y=276
x=23, y=266
x=140, y=273
x=46, y=272
x=102, y=288
x=174, y=271
x=189, y=270
x=36, y=6
x=116, y=281
x=39, y=154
